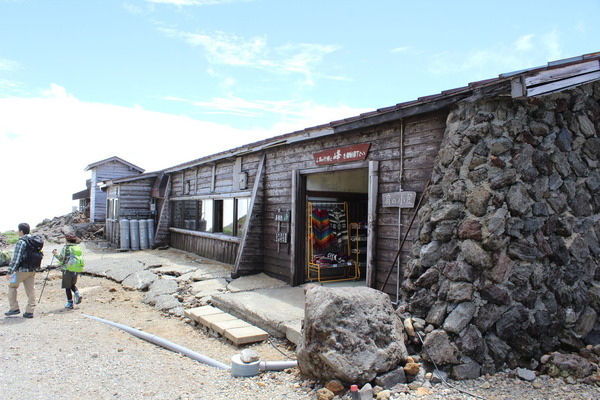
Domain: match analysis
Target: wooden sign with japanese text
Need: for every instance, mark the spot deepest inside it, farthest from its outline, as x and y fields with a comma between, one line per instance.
x=355, y=152
x=399, y=199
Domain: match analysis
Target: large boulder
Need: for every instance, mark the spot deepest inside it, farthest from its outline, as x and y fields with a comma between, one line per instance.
x=351, y=334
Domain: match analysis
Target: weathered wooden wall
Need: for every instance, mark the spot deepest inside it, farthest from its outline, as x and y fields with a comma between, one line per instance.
x=419, y=140
x=107, y=171
x=219, y=249
x=216, y=180
x=134, y=198
x=422, y=138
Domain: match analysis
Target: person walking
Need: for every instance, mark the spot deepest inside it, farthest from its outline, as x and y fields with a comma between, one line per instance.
x=70, y=259
x=21, y=271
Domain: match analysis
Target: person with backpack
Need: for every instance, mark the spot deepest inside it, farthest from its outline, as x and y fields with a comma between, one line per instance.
x=70, y=259
x=26, y=260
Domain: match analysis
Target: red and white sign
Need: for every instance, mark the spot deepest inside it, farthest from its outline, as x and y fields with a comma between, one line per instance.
x=355, y=152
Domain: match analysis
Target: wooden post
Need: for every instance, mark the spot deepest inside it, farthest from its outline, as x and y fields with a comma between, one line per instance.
x=372, y=221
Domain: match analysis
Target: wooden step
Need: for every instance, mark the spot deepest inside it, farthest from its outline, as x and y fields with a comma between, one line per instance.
x=238, y=331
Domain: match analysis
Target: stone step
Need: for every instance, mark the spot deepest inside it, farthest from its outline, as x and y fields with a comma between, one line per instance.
x=238, y=331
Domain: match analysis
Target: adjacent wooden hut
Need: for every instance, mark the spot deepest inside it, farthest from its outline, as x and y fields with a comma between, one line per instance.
x=110, y=168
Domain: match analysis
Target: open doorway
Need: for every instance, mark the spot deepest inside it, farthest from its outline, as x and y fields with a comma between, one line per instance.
x=335, y=224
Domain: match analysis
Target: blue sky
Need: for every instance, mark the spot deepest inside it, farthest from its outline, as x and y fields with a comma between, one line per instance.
x=161, y=82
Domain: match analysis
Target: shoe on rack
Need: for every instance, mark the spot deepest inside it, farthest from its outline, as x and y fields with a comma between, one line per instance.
x=28, y=315
x=78, y=298
x=69, y=305
x=12, y=312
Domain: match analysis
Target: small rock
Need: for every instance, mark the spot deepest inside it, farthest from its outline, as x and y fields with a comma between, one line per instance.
x=384, y=395
x=423, y=391
x=249, y=355
x=336, y=387
x=526, y=374
x=411, y=369
x=438, y=377
x=366, y=392
x=325, y=394
x=408, y=327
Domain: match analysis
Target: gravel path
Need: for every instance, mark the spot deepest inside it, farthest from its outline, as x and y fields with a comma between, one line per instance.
x=62, y=354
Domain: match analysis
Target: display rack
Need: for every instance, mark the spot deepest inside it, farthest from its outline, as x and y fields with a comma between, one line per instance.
x=359, y=243
x=329, y=251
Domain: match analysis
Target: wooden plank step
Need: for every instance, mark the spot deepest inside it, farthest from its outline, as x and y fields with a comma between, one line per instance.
x=197, y=312
x=238, y=331
x=210, y=319
x=249, y=334
x=221, y=326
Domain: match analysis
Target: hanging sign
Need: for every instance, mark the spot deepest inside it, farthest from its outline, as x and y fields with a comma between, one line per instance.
x=283, y=227
x=282, y=216
x=399, y=199
x=355, y=152
x=281, y=237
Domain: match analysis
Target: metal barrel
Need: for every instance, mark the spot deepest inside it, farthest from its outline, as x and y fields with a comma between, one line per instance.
x=124, y=233
x=134, y=227
x=150, y=232
x=143, y=233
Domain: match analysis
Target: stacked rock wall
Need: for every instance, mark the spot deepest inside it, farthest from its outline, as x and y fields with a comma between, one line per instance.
x=506, y=264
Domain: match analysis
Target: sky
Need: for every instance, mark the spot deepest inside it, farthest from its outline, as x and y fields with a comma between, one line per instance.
x=162, y=82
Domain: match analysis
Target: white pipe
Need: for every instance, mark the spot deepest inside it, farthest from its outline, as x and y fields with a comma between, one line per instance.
x=277, y=365
x=165, y=343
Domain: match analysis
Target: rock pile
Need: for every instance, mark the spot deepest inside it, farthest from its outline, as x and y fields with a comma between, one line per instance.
x=506, y=263
x=54, y=230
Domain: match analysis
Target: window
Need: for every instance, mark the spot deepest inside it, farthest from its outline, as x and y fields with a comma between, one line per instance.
x=225, y=216
x=241, y=213
x=112, y=211
x=207, y=216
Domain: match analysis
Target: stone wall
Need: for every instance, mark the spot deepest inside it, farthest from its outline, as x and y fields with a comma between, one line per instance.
x=505, y=267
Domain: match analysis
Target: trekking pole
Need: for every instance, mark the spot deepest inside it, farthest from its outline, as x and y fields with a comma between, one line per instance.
x=46, y=279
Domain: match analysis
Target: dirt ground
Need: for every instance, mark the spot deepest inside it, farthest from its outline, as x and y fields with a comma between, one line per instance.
x=100, y=361
x=62, y=354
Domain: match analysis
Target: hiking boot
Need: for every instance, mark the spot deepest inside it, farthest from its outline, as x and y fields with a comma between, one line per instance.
x=77, y=298
x=69, y=305
x=12, y=312
x=28, y=315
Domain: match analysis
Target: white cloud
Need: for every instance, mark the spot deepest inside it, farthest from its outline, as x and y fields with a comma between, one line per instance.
x=8, y=65
x=524, y=43
x=228, y=49
x=401, y=49
x=525, y=52
x=48, y=140
x=551, y=43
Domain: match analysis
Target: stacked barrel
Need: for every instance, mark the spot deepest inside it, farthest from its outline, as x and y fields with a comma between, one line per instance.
x=136, y=234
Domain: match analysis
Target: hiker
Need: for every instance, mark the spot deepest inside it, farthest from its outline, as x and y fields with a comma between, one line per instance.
x=20, y=270
x=71, y=261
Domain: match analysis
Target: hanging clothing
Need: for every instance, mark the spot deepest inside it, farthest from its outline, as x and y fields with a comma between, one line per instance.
x=322, y=234
x=339, y=226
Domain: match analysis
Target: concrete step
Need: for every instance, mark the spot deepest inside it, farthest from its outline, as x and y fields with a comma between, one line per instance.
x=238, y=331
